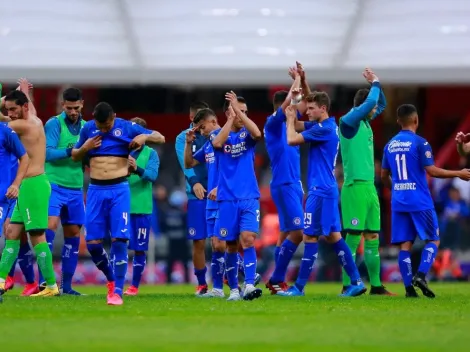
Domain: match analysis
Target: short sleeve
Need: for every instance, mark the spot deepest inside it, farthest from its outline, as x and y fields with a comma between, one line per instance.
x=426, y=156
x=13, y=144
x=137, y=129
x=83, y=137
x=200, y=154
x=385, y=164
x=317, y=133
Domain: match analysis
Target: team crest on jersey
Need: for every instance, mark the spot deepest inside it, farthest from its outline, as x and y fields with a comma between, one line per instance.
x=227, y=148
x=354, y=222
x=243, y=134
x=117, y=132
x=192, y=231
x=428, y=154
x=223, y=232
x=296, y=221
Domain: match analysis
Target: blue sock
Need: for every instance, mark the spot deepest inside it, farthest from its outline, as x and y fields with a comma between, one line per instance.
x=250, y=265
x=231, y=263
x=119, y=249
x=138, y=266
x=13, y=268
x=404, y=263
x=50, y=235
x=306, y=266
x=427, y=258
x=347, y=261
x=201, y=276
x=276, y=254
x=25, y=259
x=284, y=256
x=101, y=260
x=241, y=265
x=218, y=269
x=69, y=261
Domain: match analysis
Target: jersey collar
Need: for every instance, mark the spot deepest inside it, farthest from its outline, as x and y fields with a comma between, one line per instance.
x=70, y=122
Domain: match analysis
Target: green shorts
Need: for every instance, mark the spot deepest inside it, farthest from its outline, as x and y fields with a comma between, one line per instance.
x=32, y=206
x=360, y=207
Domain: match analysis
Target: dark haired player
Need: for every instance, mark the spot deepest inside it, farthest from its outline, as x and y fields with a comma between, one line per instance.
x=31, y=209
x=66, y=178
x=406, y=160
x=107, y=141
x=196, y=185
x=321, y=209
x=359, y=201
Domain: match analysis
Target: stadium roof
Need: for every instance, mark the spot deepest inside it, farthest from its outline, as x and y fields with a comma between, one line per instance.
x=253, y=42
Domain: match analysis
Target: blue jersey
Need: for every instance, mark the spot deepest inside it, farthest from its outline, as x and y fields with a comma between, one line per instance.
x=114, y=142
x=236, y=161
x=406, y=155
x=11, y=150
x=323, y=152
x=285, y=159
x=207, y=155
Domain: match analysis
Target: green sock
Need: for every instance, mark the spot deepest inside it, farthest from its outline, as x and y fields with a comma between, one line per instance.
x=372, y=259
x=353, y=242
x=9, y=255
x=44, y=259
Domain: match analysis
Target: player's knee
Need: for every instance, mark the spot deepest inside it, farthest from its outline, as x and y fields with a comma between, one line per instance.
x=23, y=238
x=371, y=236
x=53, y=223
x=199, y=245
x=282, y=237
x=232, y=246
x=295, y=237
x=71, y=231
x=406, y=246
x=333, y=237
x=218, y=245
x=247, y=239
x=310, y=239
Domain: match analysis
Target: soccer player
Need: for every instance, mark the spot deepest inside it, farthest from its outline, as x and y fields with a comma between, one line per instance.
x=359, y=201
x=10, y=146
x=66, y=178
x=107, y=140
x=143, y=165
x=31, y=209
x=238, y=196
x=196, y=185
x=406, y=160
x=321, y=209
x=205, y=121
x=286, y=186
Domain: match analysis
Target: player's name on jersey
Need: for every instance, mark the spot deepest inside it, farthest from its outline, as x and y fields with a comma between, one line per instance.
x=408, y=186
x=399, y=146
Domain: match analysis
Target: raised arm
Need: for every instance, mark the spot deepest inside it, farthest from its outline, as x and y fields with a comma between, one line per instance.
x=381, y=104
x=219, y=140
x=25, y=86
x=303, y=79
x=189, y=161
x=463, y=146
x=250, y=126
x=293, y=138
x=52, y=130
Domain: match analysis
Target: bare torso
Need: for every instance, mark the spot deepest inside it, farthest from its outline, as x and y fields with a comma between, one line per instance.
x=108, y=167
x=31, y=133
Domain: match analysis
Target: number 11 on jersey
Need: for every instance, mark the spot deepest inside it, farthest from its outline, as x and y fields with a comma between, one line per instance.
x=401, y=167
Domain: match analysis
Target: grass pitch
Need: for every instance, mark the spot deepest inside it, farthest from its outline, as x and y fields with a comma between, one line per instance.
x=170, y=318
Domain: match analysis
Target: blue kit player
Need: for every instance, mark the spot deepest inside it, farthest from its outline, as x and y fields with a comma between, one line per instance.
x=286, y=187
x=143, y=166
x=13, y=154
x=406, y=160
x=238, y=196
x=107, y=141
x=205, y=121
x=321, y=209
x=196, y=185
x=66, y=178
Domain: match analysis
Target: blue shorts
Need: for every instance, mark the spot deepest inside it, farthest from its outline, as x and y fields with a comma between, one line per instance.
x=211, y=217
x=68, y=204
x=6, y=209
x=289, y=203
x=237, y=216
x=321, y=216
x=406, y=225
x=196, y=220
x=108, y=211
x=140, y=232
